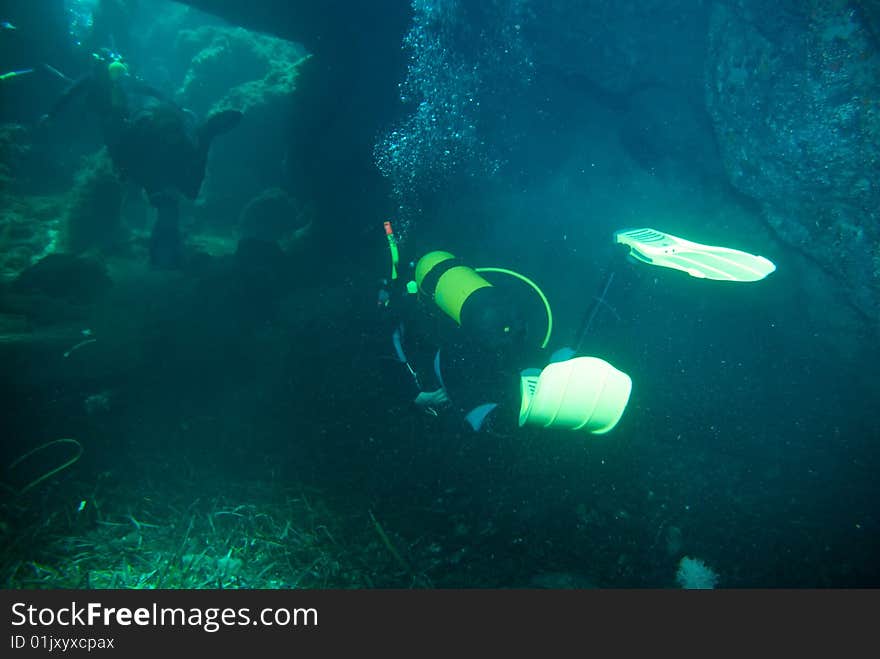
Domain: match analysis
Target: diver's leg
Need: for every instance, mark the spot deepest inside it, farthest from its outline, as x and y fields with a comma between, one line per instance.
x=165, y=243
x=217, y=124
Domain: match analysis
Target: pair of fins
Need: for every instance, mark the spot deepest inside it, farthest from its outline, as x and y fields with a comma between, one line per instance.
x=701, y=261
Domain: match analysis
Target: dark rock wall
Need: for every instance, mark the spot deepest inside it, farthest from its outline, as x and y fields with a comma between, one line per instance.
x=793, y=89
x=348, y=90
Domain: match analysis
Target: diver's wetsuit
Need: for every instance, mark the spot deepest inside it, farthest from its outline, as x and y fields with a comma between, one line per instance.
x=476, y=367
x=151, y=143
x=121, y=105
x=160, y=152
x=112, y=101
x=165, y=243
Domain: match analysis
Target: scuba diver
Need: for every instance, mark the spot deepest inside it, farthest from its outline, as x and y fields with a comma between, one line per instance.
x=109, y=92
x=160, y=153
x=481, y=369
x=151, y=141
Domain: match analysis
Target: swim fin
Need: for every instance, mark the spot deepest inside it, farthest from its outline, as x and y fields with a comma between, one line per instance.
x=190, y=180
x=217, y=124
x=701, y=261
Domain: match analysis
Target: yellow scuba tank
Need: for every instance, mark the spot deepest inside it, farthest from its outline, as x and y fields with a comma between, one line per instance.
x=441, y=276
x=463, y=294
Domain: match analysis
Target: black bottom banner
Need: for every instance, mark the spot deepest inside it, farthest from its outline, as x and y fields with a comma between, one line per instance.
x=144, y=623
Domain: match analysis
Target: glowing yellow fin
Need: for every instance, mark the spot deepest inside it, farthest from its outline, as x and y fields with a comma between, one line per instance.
x=701, y=261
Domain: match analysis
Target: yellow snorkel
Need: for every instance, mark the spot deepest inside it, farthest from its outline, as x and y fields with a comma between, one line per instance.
x=392, y=247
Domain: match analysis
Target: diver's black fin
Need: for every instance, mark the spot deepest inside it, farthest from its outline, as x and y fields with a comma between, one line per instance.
x=217, y=124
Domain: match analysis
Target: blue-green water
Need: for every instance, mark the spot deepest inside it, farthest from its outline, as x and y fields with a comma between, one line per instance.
x=241, y=417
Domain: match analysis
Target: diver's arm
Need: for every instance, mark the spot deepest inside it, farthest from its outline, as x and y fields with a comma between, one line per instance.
x=76, y=90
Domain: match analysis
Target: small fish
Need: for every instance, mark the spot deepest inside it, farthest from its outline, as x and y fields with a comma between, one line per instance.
x=13, y=74
x=6, y=25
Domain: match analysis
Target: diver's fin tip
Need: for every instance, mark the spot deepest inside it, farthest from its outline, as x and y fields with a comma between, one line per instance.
x=219, y=123
x=696, y=259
